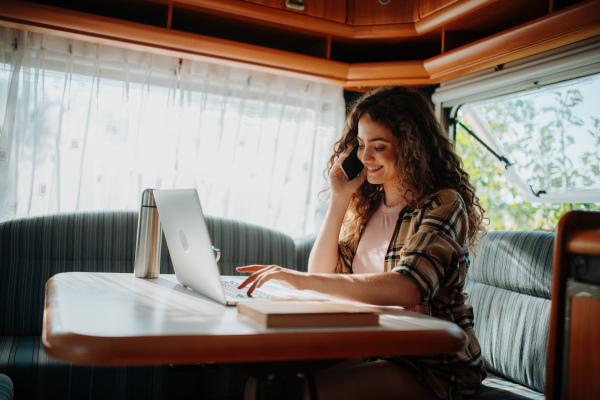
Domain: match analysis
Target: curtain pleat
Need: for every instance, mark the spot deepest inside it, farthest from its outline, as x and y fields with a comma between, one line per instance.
x=89, y=127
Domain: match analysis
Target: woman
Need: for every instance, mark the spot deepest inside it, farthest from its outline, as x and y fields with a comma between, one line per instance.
x=398, y=234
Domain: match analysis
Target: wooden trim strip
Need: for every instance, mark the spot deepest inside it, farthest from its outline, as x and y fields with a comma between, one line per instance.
x=408, y=73
x=567, y=26
x=400, y=81
x=406, y=30
x=386, y=70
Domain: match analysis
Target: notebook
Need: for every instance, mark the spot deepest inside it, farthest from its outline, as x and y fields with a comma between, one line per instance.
x=190, y=246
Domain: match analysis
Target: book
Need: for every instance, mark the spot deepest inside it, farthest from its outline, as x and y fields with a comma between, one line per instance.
x=290, y=313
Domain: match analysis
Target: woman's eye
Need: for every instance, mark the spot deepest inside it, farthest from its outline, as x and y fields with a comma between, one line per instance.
x=361, y=146
x=379, y=148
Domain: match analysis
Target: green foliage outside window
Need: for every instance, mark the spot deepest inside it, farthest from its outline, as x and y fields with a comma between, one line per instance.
x=544, y=149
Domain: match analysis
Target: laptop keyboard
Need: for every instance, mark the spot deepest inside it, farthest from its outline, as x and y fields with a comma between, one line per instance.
x=231, y=290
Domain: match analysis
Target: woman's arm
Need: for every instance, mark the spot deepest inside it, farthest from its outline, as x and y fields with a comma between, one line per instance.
x=324, y=255
x=386, y=288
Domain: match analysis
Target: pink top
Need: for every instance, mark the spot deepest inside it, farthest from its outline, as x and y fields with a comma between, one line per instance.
x=375, y=240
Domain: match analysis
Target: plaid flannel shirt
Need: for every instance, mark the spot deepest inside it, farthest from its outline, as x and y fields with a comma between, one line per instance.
x=429, y=246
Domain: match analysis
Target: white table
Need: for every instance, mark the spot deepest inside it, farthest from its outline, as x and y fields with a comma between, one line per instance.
x=117, y=319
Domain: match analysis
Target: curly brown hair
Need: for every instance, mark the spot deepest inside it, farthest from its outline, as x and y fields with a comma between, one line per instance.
x=425, y=157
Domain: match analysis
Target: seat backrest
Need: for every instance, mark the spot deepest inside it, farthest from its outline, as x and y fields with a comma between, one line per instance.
x=32, y=250
x=304, y=246
x=509, y=285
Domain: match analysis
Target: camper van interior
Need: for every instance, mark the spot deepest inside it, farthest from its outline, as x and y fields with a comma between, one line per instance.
x=243, y=100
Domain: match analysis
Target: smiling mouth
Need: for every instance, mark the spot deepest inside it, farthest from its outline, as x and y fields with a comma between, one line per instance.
x=374, y=169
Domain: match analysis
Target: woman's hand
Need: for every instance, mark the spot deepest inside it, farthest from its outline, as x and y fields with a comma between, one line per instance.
x=264, y=273
x=340, y=185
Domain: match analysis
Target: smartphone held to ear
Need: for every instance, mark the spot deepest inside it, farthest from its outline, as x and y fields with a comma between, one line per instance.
x=352, y=165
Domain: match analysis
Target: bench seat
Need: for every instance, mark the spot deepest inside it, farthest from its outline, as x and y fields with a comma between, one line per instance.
x=32, y=250
x=509, y=285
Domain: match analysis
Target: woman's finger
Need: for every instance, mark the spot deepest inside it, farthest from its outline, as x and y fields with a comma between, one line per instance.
x=255, y=269
x=343, y=156
x=251, y=268
x=262, y=277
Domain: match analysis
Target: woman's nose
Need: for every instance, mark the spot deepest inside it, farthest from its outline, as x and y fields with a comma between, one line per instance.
x=366, y=154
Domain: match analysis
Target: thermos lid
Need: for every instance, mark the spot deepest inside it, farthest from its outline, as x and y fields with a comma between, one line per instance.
x=148, y=198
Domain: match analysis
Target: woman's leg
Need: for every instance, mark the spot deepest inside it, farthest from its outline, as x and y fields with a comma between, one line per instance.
x=375, y=380
x=355, y=379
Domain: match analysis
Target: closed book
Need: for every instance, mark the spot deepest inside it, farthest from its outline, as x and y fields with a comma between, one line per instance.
x=290, y=313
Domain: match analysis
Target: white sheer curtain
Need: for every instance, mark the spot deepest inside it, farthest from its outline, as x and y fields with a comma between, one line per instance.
x=89, y=127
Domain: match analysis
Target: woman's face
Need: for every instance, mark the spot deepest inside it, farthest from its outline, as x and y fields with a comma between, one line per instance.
x=377, y=150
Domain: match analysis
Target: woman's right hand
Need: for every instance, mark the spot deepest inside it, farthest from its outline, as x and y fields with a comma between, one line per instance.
x=340, y=185
x=324, y=255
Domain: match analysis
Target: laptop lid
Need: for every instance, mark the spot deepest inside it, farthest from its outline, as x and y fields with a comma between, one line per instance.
x=187, y=236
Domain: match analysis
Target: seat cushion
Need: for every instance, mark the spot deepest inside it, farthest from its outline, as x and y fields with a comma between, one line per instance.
x=35, y=375
x=32, y=250
x=495, y=387
x=304, y=246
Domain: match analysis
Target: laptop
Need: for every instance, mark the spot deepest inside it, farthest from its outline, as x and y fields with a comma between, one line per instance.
x=190, y=246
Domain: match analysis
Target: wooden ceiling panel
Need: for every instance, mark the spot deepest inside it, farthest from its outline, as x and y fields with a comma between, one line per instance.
x=413, y=42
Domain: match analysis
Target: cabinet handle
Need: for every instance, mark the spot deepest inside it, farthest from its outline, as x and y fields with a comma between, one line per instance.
x=295, y=4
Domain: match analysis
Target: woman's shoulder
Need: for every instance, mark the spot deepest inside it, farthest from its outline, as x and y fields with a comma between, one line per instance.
x=443, y=197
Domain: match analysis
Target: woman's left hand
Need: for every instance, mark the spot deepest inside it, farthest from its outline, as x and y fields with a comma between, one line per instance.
x=264, y=273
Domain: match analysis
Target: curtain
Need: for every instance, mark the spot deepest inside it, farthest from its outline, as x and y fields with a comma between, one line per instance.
x=89, y=127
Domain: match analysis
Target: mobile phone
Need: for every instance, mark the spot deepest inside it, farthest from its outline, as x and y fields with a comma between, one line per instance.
x=352, y=165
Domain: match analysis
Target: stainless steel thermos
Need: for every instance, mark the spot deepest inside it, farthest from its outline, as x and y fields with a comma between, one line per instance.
x=149, y=238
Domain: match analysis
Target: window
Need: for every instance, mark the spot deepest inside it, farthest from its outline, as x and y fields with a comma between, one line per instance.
x=549, y=140
x=88, y=127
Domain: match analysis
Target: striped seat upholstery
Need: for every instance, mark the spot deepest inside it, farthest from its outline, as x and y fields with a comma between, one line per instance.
x=7, y=391
x=496, y=387
x=304, y=246
x=244, y=244
x=34, y=249
x=509, y=286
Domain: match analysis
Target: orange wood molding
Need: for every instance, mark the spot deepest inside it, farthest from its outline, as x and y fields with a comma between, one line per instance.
x=449, y=13
x=385, y=31
x=136, y=36
x=386, y=70
x=409, y=73
x=567, y=26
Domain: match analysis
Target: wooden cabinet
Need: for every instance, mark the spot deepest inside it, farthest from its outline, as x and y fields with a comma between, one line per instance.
x=331, y=10
x=374, y=12
x=427, y=7
x=343, y=42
